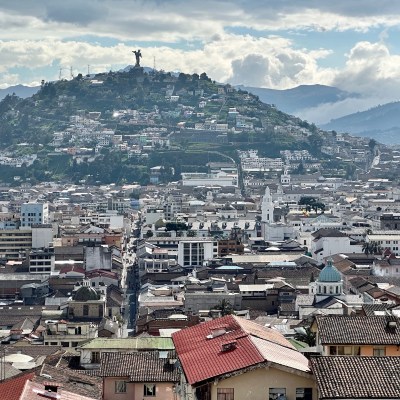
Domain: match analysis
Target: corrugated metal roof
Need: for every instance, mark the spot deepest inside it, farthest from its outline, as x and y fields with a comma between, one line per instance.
x=280, y=355
x=203, y=357
x=139, y=343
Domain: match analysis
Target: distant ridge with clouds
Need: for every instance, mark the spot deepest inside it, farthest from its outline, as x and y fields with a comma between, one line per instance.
x=19, y=90
x=300, y=97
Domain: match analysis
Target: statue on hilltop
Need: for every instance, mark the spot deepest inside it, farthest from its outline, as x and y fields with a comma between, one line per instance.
x=138, y=56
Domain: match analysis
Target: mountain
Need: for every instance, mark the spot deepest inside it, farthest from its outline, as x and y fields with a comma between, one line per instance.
x=381, y=123
x=178, y=121
x=299, y=98
x=20, y=90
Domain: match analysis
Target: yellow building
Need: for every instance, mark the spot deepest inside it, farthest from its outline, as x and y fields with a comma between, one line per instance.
x=232, y=358
x=338, y=335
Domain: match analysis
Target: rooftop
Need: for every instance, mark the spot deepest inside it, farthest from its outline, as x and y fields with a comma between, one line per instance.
x=230, y=344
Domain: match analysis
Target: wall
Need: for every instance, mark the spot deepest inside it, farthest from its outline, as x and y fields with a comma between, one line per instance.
x=134, y=391
x=255, y=385
x=98, y=257
x=206, y=301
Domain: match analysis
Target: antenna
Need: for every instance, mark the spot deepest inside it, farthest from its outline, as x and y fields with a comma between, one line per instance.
x=154, y=63
x=71, y=72
x=59, y=76
x=88, y=69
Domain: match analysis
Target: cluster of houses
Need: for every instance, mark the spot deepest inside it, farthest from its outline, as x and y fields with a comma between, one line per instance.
x=196, y=291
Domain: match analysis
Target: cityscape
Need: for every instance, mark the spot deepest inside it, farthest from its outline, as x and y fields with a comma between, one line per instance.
x=173, y=234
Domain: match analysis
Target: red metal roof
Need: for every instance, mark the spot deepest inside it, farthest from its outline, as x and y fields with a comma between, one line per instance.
x=12, y=388
x=202, y=356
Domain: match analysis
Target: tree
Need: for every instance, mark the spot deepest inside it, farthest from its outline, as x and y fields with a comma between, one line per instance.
x=372, y=144
x=305, y=335
x=371, y=248
x=225, y=307
x=149, y=233
x=311, y=203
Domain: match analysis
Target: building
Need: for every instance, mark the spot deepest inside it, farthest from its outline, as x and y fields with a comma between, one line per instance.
x=233, y=358
x=87, y=303
x=327, y=242
x=139, y=375
x=357, y=335
x=34, y=213
x=15, y=243
x=42, y=261
x=91, y=352
x=193, y=252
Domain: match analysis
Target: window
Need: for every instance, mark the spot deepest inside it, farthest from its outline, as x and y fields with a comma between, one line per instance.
x=120, y=387
x=344, y=350
x=304, y=393
x=85, y=309
x=225, y=394
x=149, y=389
x=95, y=359
x=277, y=394
x=379, y=352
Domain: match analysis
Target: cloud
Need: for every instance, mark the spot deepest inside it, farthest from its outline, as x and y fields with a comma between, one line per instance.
x=174, y=20
x=324, y=113
x=370, y=69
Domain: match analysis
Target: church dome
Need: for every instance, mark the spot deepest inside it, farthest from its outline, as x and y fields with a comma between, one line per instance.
x=86, y=293
x=329, y=273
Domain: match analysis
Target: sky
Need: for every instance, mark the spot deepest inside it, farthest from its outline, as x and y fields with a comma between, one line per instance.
x=350, y=44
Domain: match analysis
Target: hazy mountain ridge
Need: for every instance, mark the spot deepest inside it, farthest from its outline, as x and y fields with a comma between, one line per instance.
x=381, y=122
x=19, y=90
x=300, y=97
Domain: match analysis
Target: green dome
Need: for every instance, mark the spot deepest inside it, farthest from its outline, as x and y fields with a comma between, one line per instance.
x=86, y=293
x=329, y=273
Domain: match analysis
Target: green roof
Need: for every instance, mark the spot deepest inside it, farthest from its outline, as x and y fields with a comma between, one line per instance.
x=329, y=273
x=139, y=343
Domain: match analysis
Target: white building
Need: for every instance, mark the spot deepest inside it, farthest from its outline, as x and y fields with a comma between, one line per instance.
x=192, y=252
x=34, y=213
x=221, y=177
x=327, y=242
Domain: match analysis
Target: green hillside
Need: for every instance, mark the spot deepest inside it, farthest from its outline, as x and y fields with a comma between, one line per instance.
x=176, y=105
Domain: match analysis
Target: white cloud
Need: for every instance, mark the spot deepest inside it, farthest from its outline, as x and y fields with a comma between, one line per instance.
x=269, y=61
x=324, y=113
x=371, y=70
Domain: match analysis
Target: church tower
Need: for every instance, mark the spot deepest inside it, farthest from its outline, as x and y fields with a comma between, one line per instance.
x=285, y=178
x=267, y=207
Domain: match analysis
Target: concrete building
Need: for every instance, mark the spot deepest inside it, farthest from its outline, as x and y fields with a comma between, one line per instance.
x=42, y=261
x=34, y=213
x=194, y=252
x=15, y=243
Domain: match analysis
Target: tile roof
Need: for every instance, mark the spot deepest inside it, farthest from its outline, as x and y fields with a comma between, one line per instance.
x=70, y=380
x=202, y=356
x=338, y=329
x=12, y=388
x=36, y=391
x=357, y=377
x=139, y=367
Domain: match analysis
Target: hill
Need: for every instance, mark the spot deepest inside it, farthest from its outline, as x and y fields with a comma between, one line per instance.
x=117, y=126
x=19, y=90
x=381, y=123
